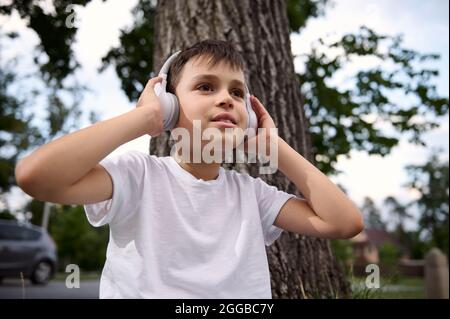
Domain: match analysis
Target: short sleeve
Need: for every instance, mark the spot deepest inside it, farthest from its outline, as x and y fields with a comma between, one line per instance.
x=127, y=174
x=270, y=201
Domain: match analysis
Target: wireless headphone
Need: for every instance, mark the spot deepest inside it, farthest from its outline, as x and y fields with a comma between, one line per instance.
x=171, y=109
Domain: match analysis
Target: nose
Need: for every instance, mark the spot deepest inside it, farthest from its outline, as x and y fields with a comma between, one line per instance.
x=225, y=99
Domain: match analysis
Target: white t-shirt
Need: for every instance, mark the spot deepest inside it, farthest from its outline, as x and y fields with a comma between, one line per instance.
x=175, y=236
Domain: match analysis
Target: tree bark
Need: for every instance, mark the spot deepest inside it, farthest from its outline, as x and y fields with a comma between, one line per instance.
x=300, y=267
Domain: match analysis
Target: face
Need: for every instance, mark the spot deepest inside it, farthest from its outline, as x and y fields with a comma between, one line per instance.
x=204, y=92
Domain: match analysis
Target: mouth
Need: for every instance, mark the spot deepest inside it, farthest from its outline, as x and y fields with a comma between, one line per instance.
x=224, y=123
x=225, y=119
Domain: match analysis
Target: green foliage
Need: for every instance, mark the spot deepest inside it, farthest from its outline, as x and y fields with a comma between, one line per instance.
x=417, y=246
x=431, y=181
x=77, y=241
x=389, y=255
x=360, y=290
x=338, y=117
x=398, y=211
x=372, y=215
x=398, y=288
x=16, y=131
x=56, y=36
x=343, y=251
x=300, y=11
x=19, y=130
x=36, y=208
x=6, y=215
x=133, y=58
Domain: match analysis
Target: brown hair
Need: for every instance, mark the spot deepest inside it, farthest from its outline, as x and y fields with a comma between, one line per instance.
x=216, y=50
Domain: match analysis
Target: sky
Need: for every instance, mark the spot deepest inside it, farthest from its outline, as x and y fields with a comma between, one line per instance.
x=424, y=25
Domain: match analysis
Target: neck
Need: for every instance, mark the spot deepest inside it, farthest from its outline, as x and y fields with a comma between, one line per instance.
x=205, y=171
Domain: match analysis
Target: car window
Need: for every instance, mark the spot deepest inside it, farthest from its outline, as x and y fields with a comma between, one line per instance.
x=31, y=234
x=8, y=232
x=11, y=232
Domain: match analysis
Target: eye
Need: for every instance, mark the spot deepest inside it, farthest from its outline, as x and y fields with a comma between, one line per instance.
x=239, y=93
x=207, y=86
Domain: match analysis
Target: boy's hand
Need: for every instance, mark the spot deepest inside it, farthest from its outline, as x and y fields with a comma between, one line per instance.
x=149, y=100
x=265, y=121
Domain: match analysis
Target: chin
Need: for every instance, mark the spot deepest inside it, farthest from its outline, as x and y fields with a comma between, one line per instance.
x=224, y=139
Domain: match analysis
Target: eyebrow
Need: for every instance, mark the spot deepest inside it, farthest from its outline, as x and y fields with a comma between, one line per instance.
x=213, y=77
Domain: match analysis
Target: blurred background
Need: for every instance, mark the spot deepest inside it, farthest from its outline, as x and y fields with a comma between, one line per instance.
x=375, y=85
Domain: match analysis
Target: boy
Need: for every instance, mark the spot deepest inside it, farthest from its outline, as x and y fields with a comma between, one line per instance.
x=180, y=229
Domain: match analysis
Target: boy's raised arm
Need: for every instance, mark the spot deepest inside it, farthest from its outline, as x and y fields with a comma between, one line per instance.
x=65, y=170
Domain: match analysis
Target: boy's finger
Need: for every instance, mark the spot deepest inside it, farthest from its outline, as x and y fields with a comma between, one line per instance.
x=151, y=83
x=259, y=108
x=255, y=101
x=258, y=103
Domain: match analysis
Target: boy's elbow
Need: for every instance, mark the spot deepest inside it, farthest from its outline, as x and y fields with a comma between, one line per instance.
x=22, y=176
x=25, y=180
x=353, y=228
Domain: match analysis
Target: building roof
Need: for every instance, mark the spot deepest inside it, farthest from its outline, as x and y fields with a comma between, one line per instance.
x=377, y=237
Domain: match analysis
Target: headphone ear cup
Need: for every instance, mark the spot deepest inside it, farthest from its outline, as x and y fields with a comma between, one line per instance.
x=169, y=107
x=253, y=120
x=252, y=126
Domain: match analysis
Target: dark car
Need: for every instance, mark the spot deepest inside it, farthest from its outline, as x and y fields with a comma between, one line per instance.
x=26, y=249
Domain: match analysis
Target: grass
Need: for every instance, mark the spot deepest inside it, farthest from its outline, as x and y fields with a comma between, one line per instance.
x=390, y=288
x=61, y=276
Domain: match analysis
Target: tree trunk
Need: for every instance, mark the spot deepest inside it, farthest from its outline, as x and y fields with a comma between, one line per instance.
x=301, y=267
